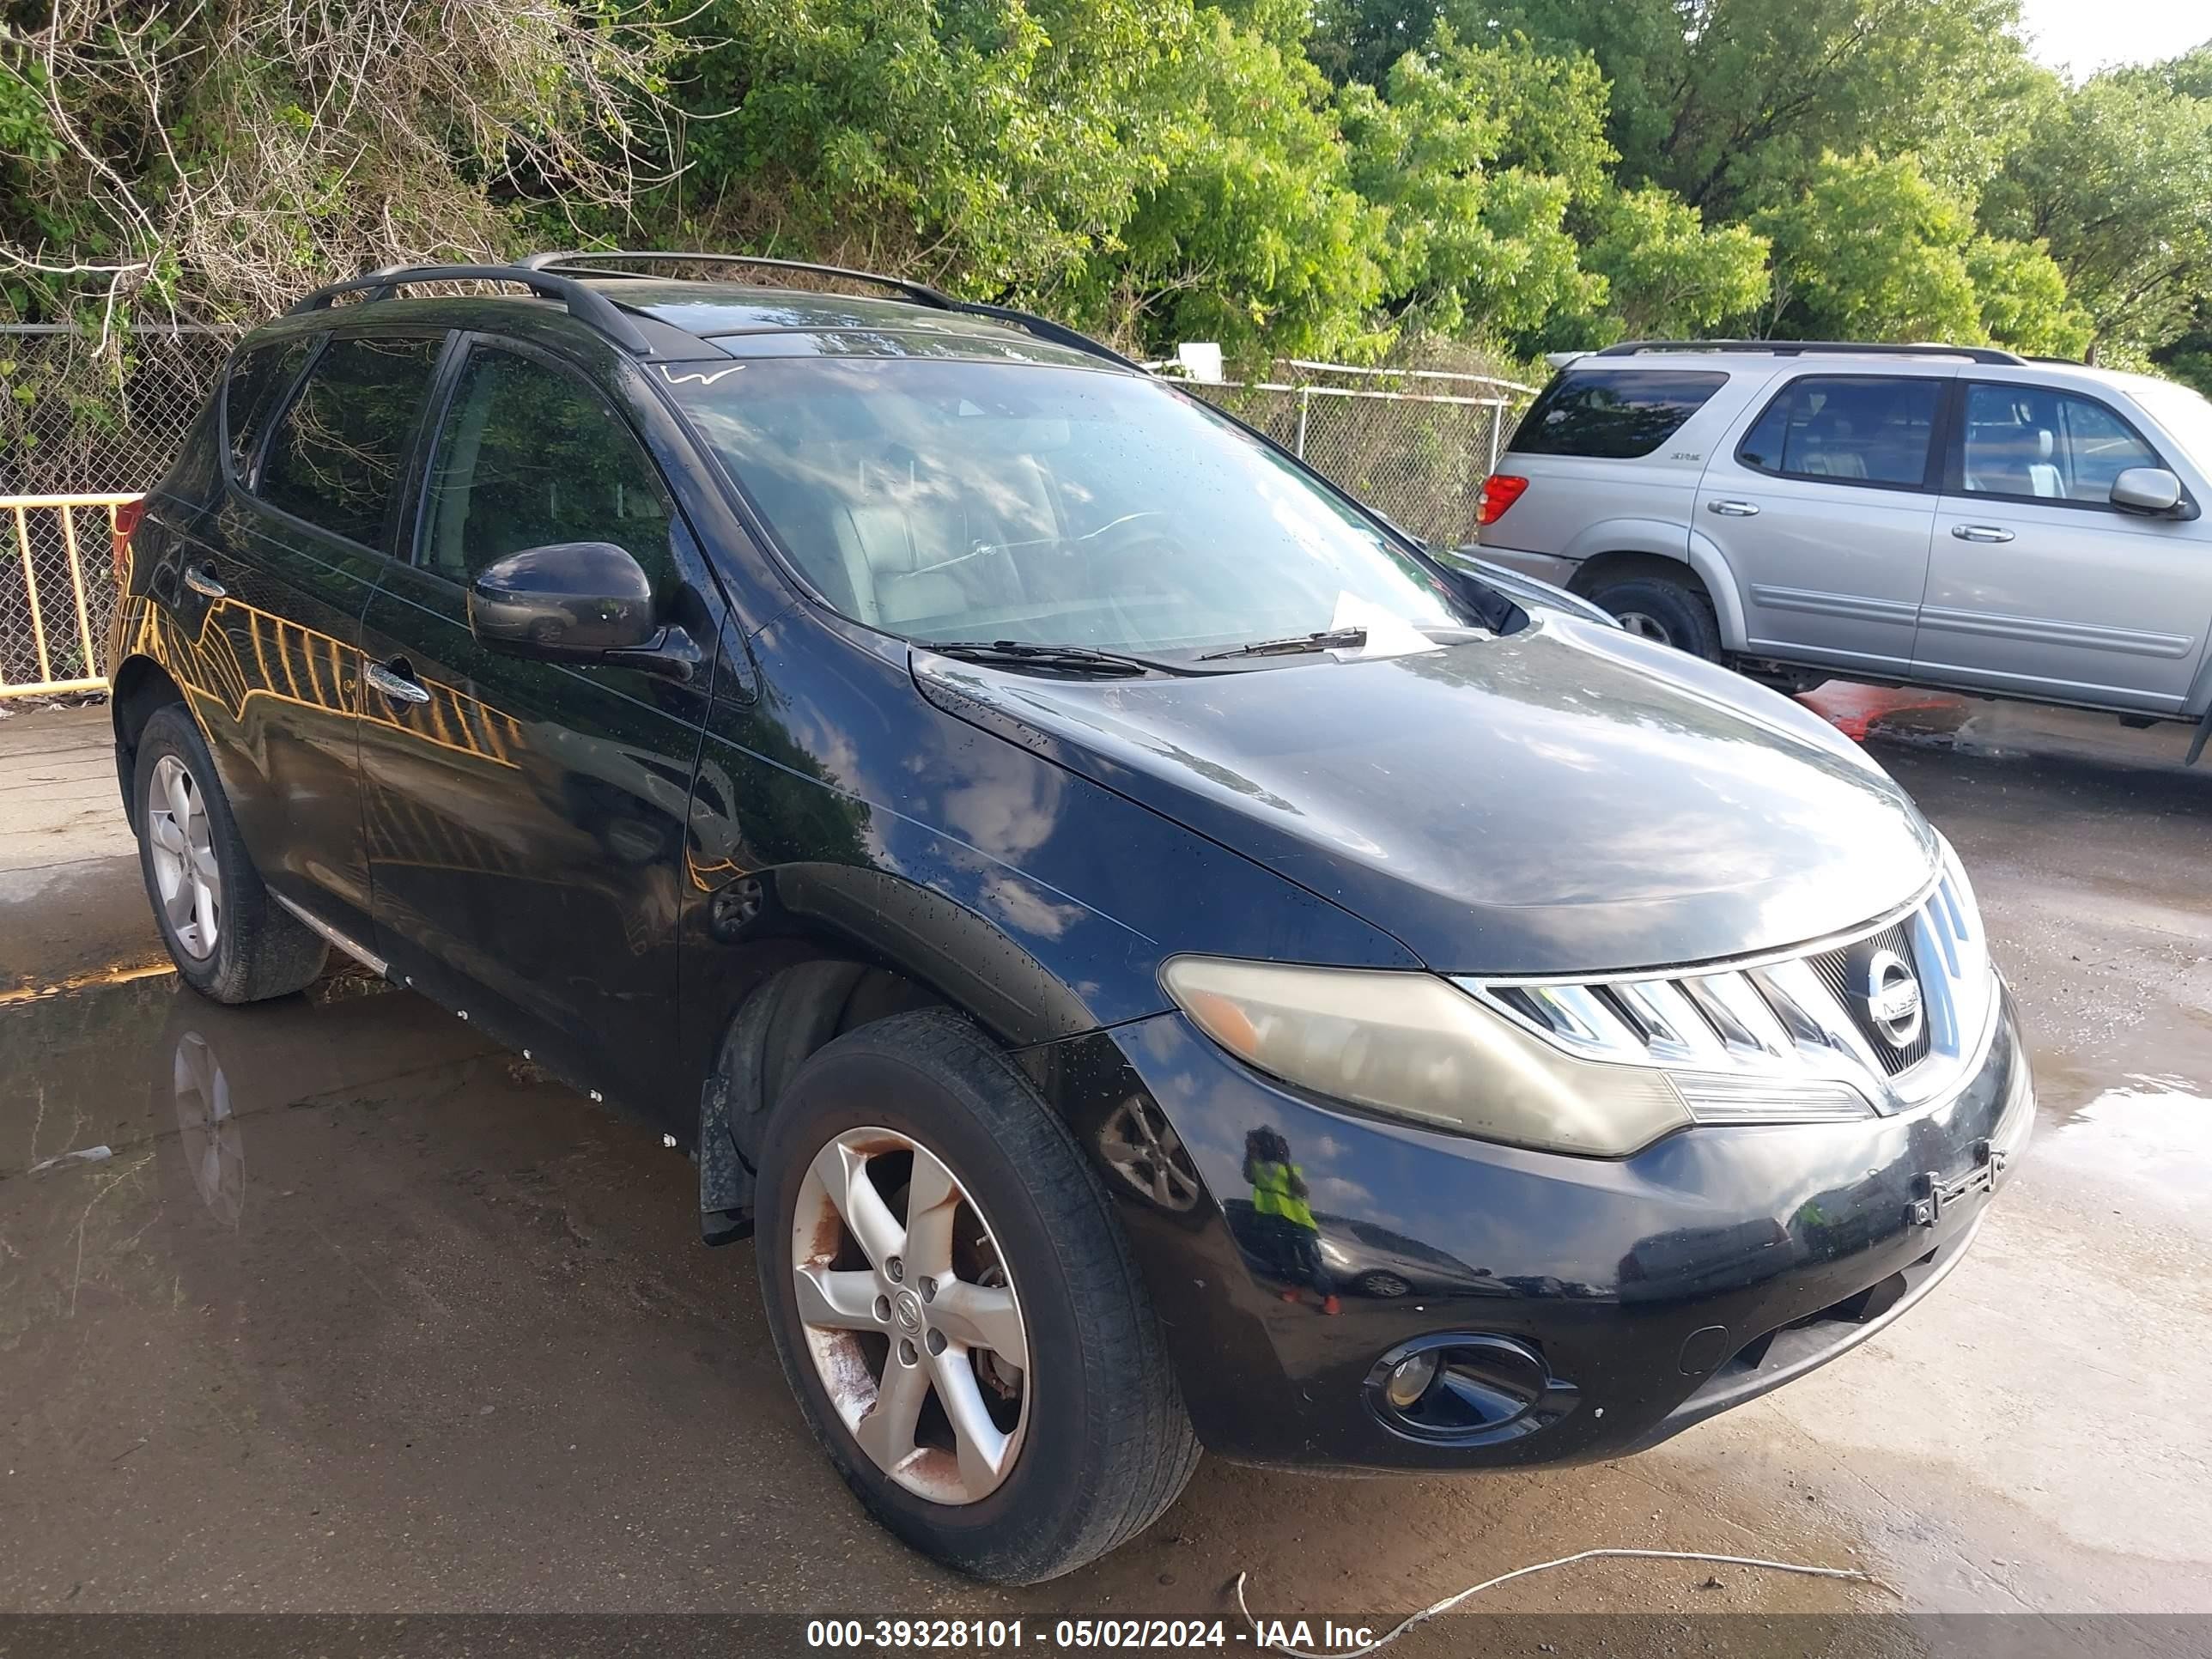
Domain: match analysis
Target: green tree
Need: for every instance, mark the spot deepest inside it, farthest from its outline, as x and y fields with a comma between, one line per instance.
x=990, y=144
x=2115, y=177
x=1731, y=103
x=1249, y=230
x=224, y=158
x=1478, y=154
x=2023, y=300
x=1873, y=250
x=1669, y=275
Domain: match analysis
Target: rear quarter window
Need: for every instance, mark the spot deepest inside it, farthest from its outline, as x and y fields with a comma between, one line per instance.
x=333, y=458
x=259, y=375
x=1612, y=414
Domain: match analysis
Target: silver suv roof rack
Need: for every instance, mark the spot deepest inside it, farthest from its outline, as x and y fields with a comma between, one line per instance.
x=1803, y=348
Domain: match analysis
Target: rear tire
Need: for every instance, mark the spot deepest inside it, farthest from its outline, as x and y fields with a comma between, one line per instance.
x=230, y=938
x=1661, y=608
x=1100, y=1441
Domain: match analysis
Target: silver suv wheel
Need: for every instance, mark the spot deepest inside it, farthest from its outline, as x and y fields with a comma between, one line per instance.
x=1643, y=625
x=913, y=1323
x=185, y=868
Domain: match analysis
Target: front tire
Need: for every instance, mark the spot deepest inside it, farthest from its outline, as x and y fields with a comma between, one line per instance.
x=230, y=940
x=957, y=1310
x=1659, y=608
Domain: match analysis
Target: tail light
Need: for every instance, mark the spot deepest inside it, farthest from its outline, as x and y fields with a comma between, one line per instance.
x=126, y=521
x=1499, y=491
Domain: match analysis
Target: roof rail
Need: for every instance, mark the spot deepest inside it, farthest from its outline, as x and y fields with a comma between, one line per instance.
x=580, y=260
x=1045, y=329
x=1803, y=348
x=578, y=263
x=587, y=304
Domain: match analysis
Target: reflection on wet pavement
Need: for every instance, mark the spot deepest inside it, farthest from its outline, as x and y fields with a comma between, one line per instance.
x=361, y=1313
x=2154, y=1134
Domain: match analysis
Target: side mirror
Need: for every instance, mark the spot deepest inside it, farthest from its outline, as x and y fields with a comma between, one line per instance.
x=2146, y=489
x=566, y=601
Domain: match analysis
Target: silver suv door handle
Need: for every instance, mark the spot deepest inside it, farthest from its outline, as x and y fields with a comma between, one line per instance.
x=1980, y=533
x=203, y=583
x=1733, y=509
x=396, y=686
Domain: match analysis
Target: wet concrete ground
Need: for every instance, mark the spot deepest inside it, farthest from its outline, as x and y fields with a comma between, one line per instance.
x=359, y=1313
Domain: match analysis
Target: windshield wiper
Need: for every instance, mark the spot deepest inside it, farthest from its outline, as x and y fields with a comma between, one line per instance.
x=1332, y=639
x=1069, y=658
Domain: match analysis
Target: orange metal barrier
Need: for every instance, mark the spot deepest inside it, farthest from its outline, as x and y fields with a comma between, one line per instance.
x=53, y=612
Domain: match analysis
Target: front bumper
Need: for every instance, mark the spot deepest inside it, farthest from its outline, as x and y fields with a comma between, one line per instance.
x=1654, y=1291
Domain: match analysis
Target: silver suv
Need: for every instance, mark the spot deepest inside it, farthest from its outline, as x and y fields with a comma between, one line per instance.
x=1947, y=515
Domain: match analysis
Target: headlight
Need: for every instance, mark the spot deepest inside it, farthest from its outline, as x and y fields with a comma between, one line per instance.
x=1415, y=1046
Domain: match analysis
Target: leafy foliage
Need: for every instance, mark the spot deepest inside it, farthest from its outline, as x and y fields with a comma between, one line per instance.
x=1477, y=154
x=1368, y=179
x=2116, y=178
x=991, y=144
x=1251, y=232
x=1669, y=275
x=1732, y=103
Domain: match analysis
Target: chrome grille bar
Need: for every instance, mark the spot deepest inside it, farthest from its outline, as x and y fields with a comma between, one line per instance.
x=1777, y=1039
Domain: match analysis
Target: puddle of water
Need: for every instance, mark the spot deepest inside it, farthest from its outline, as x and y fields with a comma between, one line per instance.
x=2153, y=1134
x=127, y=1059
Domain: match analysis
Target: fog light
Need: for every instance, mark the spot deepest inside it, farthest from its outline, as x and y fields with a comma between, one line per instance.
x=1465, y=1389
x=1409, y=1380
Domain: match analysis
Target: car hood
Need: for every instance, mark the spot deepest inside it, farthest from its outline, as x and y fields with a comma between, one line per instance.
x=1566, y=799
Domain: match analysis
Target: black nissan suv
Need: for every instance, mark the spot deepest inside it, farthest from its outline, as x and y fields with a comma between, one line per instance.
x=1153, y=956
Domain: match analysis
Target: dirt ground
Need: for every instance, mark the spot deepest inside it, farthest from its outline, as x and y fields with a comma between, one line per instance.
x=358, y=1315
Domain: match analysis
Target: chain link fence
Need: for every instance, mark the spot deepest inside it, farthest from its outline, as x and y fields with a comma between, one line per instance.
x=71, y=425
x=1416, y=444
x=79, y=433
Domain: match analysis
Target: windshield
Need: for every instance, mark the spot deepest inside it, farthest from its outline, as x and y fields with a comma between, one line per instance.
x=2186, y=415
x=1009, y=501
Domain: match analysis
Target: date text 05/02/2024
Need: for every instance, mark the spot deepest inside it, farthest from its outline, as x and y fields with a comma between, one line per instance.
x=1014, y=1634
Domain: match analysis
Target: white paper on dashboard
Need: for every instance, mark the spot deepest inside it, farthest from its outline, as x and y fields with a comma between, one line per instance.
x=1387, y=634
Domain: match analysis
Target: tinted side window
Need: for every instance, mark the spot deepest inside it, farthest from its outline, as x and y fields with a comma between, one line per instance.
x=2028, y=440
x=1846, y=428
x=529, y=454
x=335, y=454
x=1611, y=413
x=259, y=376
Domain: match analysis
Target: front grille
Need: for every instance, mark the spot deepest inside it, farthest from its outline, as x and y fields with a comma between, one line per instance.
x=1792, y=1038
x=1842, y=971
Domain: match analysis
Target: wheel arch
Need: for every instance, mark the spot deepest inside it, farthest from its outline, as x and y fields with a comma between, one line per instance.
x=1704, y=568
x=139, y=687
x=825, y=950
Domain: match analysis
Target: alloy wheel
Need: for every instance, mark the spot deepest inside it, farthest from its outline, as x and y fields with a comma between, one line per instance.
x=1644, y=626
x=178, y=832
x=911, y=1316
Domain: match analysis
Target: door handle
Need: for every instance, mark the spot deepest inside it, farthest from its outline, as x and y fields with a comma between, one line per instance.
x=202, y=582
x=1733, y=509
x=396, y=685
x=1980, y=533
